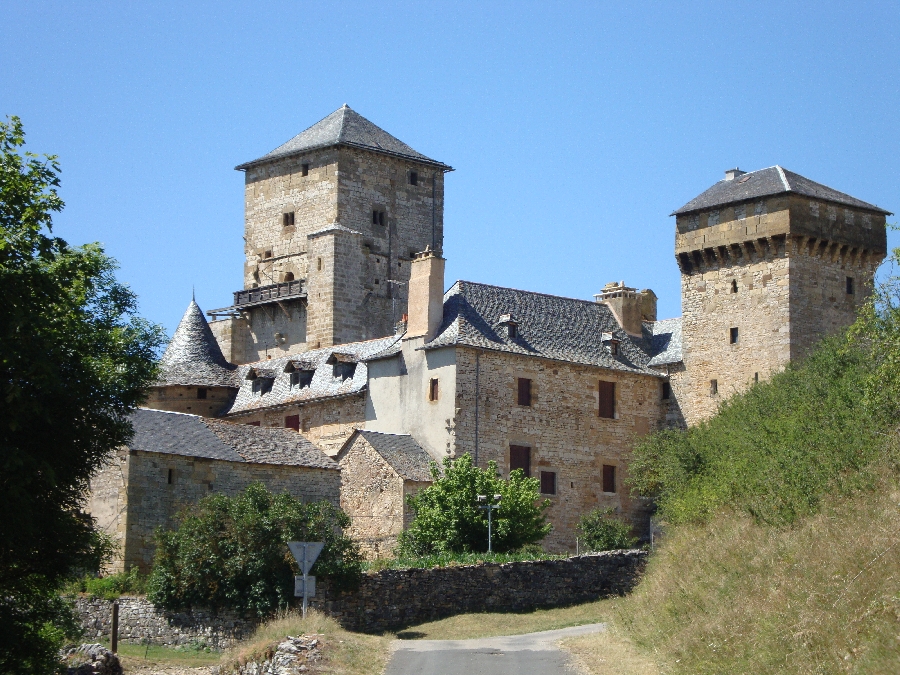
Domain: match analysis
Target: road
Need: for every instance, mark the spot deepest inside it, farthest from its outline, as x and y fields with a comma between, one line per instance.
x=529, y=654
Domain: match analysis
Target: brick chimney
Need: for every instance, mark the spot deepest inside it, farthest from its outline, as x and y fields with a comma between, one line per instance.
x=426, y=295
x=627, y=305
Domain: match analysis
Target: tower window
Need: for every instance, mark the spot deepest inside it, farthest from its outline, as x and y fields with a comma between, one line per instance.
x=287, y=219
x=520, y=458
x=666, y=391
x=849, y=285
x=171, y=476
x=289, y=276
x=413, y=177
x=609, y=478
x=524, y=391
x=201, y=393
x=734, y=286
x=733, y=335
x=304, y=169
x=433, y=389
x=377, y=217
x=607, y=397
x=319, y=264
x=713, y=387
x=548, y=482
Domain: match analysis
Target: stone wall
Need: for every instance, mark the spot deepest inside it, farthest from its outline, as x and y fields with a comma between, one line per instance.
x=177, y=398
x=392, y=599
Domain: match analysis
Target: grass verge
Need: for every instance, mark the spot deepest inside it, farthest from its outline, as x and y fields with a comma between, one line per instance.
x=609, y=653
x=142, y=656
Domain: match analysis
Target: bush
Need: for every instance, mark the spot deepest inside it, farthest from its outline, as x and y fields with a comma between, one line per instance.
x=111, y=586
x=601, y=530
x=231, y=552
x=447, y=518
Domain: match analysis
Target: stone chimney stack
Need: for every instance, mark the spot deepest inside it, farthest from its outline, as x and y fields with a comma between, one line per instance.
x=426, y=295
x=731, y=174
x=648, y=305
x=627, y=304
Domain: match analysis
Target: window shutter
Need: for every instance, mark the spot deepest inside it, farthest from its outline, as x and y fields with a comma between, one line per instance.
x=607, y=400
x=520, y=458
x=609, y=478
x=524, y=397
x=292, y=422
x=548, y=482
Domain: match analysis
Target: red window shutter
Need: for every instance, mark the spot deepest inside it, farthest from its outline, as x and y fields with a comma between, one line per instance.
x=253, y=424
x=524, y=397
x=609, y=478
x=607, y=400
x=520, y=458
x=292, y=422
x=548, y=482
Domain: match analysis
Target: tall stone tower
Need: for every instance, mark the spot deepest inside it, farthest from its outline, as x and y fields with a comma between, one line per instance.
x=333, y=218
x=770, y=263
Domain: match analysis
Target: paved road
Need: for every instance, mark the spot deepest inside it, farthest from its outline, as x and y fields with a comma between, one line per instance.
x=533, y=653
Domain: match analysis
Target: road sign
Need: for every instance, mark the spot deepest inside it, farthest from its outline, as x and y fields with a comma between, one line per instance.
x=305, y=553
x=299, y=587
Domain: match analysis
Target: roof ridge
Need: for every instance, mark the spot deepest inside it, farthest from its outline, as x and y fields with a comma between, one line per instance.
x=520, y=290
x=784, y=180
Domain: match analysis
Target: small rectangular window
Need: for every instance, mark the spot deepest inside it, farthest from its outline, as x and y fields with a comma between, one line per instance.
x=292, y=422
x=302, y=378
x=607, y=400
x=513, y=331
x=287, y=219
x=548, y=482
x=304, y=169
x=171, y=476
x=849, y=285
x=252, y=424
x=319, y=264
x=520, y=458
x=733, y=335
x=433, y=389
x=713, y=387
x=666, y=391
x=201, y=393
x=609, y=478
x=413, y=177
x=524, y=392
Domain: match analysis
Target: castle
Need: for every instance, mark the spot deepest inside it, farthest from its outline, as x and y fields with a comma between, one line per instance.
x=344, y=343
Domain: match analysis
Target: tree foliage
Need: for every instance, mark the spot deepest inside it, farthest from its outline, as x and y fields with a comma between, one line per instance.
x=601, y=530
x=447, y=517
x=75, y=360
x=231, y=552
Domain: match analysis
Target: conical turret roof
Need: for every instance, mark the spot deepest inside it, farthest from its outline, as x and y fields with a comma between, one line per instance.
x=345, y=126
x=193, y=357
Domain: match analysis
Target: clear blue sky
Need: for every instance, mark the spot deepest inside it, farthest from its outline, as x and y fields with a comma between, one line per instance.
x=574, y=128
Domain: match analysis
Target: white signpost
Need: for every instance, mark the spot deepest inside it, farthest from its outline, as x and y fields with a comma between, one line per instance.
x=305, y=553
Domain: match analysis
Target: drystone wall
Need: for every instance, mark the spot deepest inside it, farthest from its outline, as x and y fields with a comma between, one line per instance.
x=390, y=599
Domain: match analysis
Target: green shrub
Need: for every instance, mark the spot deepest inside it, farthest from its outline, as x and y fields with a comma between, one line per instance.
x=447, y=517
x=457, y=559
x=111, y=586
x=601, y=530
x=231, y=552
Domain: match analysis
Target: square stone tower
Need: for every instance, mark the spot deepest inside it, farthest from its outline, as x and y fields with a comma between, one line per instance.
x=771, y=262
x=333, y=218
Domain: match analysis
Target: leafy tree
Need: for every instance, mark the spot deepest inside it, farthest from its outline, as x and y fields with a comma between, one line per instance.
x=447, y=517
x=75, y=360
x=600, y=530
x=231, y=552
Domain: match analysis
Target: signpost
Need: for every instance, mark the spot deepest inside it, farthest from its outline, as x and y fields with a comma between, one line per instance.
x=305, y=553
x=489, y=507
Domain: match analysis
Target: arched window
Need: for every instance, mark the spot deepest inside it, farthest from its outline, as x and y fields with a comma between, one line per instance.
x=289, y=276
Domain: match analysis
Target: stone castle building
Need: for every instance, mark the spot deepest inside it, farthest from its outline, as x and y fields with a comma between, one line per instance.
x=345, y=335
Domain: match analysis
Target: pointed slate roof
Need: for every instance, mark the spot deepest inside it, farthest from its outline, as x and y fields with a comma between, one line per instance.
x=193, y=357
x=766, y=183
x=345, y=127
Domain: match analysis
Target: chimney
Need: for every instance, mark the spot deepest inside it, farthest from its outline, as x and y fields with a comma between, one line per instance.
x=731, y=174
x=426, y=295
x=626, y=305
x=648, y=305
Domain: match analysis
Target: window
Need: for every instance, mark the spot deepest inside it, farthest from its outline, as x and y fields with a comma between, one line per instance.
x=733, y=335
x=171, y=476
x=201, y=393
x=609, y=478
x=413, y=177
x=292, y=422
x=262, y=385
x=733, y=286
x=304, y=169
x=287, y=219
x=524, y=393
x=343, y=371
x=666, y=391
x=613, y=347
x=513, y=331
x=548, y=482
x=520, y=458
x=302, y=378
x=377, y=217
x=288, y=276
x=433, y=389
x=319, y=264
x=849, y=285
x=267, y=254
x=252, y=424
x=713, y=387
x=607, y=400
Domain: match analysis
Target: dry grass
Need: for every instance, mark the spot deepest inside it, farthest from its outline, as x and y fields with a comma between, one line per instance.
x=732, y=597
x=609, y=653
x=345, y=653
x=467, y=626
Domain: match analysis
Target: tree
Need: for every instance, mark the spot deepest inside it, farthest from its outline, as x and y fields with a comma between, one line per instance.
x=75, y=360
x=232, y=552
x=448, y=520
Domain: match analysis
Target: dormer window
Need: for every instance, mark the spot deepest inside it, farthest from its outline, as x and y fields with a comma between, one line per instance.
x=610, y=342
x=343, y=366
x=510, y=324
x=301, y=373
x=261, y=380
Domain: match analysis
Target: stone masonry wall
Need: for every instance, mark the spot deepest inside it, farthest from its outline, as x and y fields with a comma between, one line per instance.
x=176, y=398
x=392, y=599
x=562, y=427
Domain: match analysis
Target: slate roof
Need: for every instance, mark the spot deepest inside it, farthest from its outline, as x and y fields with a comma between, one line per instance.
x=323, y=386
x=664, y=338
x=549, y=326
x=345, y=127
x=193, y=357
x=401, y=452
x=194, y=436
x=766, y=183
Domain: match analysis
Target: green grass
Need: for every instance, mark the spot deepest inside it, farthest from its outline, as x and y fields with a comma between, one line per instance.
x=454, y=559
x=133, y=655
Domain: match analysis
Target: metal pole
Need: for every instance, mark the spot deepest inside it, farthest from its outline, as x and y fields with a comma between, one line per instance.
x=114, y=638
x=305, y=589
x=489, y=510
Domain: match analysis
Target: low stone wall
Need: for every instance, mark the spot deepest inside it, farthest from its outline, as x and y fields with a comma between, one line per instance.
x=391, y=599
x=140, y=621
